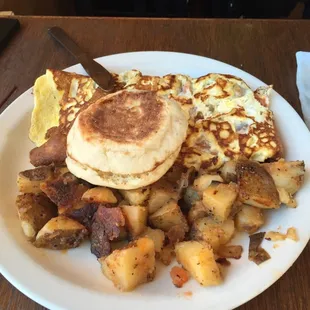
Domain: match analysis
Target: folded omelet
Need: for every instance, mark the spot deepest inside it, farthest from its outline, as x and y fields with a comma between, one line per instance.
x=227, y=119
x=58, y=97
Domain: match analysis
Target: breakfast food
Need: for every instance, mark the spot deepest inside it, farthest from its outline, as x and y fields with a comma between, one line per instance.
x=227, y=120
x=126, y=140
x=162, y=168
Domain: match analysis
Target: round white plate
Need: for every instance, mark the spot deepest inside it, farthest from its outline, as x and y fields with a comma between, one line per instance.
x=73, y=280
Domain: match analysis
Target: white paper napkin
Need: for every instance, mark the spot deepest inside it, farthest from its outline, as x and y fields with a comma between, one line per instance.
x=303, y=83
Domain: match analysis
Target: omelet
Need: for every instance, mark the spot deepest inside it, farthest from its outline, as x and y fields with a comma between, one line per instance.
x=227, y=119
x=58, y=97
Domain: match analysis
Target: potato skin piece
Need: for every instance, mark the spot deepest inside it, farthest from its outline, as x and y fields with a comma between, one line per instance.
x=61, y=233
x=34, y=211
x=130, y=266
x=256, y=186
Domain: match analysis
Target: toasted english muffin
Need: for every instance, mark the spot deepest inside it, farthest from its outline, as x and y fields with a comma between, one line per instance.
x=126, y=140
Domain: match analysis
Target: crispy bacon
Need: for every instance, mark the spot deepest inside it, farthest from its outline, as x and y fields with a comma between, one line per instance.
x=51, y=152
x=106, y=226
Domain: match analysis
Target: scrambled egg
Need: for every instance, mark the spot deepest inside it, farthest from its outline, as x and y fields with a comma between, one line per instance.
x=227, y=119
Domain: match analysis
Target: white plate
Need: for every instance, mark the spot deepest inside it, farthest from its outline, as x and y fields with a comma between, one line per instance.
x=74, y=280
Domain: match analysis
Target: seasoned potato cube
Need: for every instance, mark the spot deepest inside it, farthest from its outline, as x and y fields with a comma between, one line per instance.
x=100, y=195
x=136, y=197
x=161, y=193
x=249, y=219
x=214, y=233
x=204, y=181
x=130, y=266
x=256, y=186
x=158, y=237
x=228, y=171
x=219, y=199
x=34, y=211
x=135, y=218
x=61, y=233
x=167, y=216
x=29, y=181
x=198, y=259
x=287, y=174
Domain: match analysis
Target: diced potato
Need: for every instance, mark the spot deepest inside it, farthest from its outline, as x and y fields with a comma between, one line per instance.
x=167, y=216
x=61, y=233
x=287, y=174
x=204, y=181
x=100, y=195
x=136, y=197
x=214, y=233
x=249, y=219
x=34, y=211
x=158, y=237
x=131, y=266
x=286, y=198
x=136, y=218
x=198, y=259
x=197, y=211
x=29, y=181
x=166, y=255
x=219, y=199
x=256, y=186
x=161, y=193
x=228, y=171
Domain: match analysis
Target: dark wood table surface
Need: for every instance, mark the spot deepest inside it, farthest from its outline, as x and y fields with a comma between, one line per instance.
x=263, y=48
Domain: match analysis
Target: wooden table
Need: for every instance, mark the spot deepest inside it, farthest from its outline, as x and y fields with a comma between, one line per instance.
x=264, y=48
